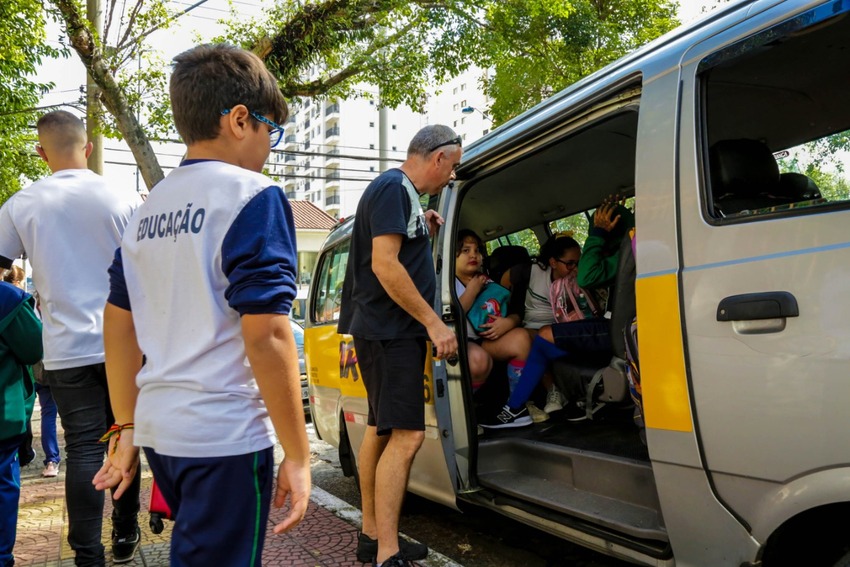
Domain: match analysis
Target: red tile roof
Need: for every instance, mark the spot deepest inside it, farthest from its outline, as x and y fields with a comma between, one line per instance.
x=309, y=216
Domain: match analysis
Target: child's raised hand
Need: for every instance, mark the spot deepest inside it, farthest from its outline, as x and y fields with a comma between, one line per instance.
x=602, y=218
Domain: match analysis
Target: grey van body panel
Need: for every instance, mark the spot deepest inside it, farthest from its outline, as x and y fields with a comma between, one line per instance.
x=767, y=505
x=690, y=508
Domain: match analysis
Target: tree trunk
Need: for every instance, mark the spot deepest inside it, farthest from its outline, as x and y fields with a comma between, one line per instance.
x=112, y=97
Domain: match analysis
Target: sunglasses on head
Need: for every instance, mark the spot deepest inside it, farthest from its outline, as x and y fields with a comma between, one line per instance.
x=456, y=141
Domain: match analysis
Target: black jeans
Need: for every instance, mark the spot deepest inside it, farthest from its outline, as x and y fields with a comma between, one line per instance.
x=82, y=397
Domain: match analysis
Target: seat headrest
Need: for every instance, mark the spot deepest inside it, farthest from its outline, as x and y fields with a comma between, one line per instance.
x=505, y=257
x=743, y=168
x=797, y=187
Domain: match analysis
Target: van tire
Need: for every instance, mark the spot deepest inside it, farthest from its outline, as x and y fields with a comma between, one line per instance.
x=347, y=456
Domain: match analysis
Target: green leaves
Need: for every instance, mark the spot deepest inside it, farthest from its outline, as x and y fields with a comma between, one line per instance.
x=22, y=47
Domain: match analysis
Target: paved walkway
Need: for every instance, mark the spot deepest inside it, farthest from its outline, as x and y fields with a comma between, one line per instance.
x=326, y=537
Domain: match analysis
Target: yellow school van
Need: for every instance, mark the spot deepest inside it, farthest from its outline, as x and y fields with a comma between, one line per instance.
x=731, y=138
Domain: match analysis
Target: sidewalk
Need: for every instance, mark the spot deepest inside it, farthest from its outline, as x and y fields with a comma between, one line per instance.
x=326, y=537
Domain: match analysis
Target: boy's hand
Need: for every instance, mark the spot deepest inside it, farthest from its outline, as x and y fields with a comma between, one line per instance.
x=120, y=466
x=602, y=217
x=292, y=479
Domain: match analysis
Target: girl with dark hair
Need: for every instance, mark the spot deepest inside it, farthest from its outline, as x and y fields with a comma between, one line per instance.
x=558, y=259
x=501, y=340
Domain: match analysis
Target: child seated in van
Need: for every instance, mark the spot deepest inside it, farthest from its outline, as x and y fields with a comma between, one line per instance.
x=503, y=339
x=597, y=269
x=530, y=302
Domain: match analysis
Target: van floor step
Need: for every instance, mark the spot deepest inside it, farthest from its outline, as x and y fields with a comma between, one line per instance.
x=606, y=490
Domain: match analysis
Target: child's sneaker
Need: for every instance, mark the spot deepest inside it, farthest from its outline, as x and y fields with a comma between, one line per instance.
x=537, y=414
x=555, y=401
x=507, y=418
x=50, y=470
x=124, y=547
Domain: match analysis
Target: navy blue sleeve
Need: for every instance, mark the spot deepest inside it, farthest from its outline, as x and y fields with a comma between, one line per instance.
x=390, y=209
x=259, y=257
x=118, y=295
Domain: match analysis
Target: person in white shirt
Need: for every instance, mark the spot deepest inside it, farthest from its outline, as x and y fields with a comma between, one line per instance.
x=69, y=225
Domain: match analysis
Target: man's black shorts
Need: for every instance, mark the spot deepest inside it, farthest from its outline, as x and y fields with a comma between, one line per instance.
x=393, y=373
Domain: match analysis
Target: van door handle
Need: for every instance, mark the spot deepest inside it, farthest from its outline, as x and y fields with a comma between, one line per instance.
x=757, y=306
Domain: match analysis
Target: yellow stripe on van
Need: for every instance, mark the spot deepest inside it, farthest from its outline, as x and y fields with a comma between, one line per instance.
x=662, y=357
x=332, y=363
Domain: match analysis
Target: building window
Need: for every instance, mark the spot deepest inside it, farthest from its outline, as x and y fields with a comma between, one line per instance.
x=454, y=90
x=463, y=103
x=371, y=168
x=463, y=120
x=463, y=86
x=393, y=126
x=394, y=149
x=371, y=124
x=454, y=107
x=455, y=124
x=371, y=146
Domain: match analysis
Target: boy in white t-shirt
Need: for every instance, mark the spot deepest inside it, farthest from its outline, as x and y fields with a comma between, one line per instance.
x=202, y=285
x=69, y=224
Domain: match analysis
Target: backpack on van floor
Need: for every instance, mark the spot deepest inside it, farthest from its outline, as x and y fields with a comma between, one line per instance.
x=633, y=373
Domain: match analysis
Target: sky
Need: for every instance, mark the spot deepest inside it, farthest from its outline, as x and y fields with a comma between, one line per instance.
x=69, y=75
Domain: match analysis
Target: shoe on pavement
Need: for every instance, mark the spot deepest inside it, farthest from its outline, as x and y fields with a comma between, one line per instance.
x=578, y=411
x=537, y=414
x=367, y=549
x=395, y=561
x=50, y=470
x=555, y=401
x=508, y=418
x=124, y=547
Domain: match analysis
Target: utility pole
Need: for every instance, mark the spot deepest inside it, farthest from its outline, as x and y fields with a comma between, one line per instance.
x=94, y=14
x=383, y=135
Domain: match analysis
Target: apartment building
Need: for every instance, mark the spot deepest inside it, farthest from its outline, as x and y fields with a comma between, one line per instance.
x=331, y=148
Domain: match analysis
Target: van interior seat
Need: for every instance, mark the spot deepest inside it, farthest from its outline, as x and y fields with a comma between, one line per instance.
x=744, y=176
x=503, y=258
x=797, y=187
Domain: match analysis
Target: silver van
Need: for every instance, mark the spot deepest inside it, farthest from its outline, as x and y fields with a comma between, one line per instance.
x=731, y=136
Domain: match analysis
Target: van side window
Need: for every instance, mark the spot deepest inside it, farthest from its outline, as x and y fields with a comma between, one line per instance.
x=776, y=129
x=331, y=273
x=525, y=238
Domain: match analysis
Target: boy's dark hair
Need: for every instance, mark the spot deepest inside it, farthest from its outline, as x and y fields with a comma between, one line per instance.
x=213, y=77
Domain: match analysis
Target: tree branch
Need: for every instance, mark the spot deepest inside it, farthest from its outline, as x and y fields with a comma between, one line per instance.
x=90, y=53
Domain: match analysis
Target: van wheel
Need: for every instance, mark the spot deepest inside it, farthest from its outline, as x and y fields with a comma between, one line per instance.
x=347, y=456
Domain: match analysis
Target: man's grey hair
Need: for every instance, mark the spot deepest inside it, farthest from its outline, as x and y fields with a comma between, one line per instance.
x=430, y=138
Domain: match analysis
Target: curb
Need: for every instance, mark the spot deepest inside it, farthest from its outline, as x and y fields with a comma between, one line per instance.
x=353, y=516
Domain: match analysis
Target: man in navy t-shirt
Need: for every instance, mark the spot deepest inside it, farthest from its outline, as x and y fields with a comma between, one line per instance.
x=387, y=306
